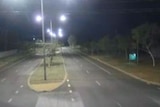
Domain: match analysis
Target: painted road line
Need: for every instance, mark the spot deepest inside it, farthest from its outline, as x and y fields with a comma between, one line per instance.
x=87, y=72
x=21, y=86
x=70, y=91
x=67, y=80
x=17, y=92
x=72, y=99
x=3, y=79
x=119, y=105
x=154, y=100
x=97, y=65
x=16, y=70
x=10, y=100
x=98, y=83
x=69, y=85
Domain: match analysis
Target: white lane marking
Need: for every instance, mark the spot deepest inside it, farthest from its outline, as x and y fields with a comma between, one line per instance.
x=67, y=80
x=155, y=100
x=98, y=83
x=16, y=70
x=3, y=79
x=87, y=72
x=17, y=92
x=119, y=105
x=69, y=85
x=97, y=66
x=70, y=91
x=72, y=99
x=10, y=100
x=21, y=86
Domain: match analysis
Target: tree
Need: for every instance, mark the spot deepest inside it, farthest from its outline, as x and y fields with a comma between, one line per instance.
x=104, y=44
x=72, y=40
x=123, y=44
x=145, y=35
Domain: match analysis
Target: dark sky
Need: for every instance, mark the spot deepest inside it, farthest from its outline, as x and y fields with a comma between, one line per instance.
x=87, y=19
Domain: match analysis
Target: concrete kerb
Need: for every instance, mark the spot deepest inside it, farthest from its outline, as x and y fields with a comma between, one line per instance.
x=48, y=90
x=123, y=71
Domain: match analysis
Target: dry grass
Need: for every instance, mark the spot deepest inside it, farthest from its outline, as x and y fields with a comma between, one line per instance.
x=55, y=73
x=143, y=70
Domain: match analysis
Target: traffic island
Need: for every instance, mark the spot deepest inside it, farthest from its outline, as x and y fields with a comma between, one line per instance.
x=56, y=75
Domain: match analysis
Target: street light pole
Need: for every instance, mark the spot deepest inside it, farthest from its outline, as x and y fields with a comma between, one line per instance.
x=51, y=28
x=43, y=38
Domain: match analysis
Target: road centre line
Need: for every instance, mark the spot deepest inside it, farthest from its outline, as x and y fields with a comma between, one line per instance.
x=87, y=72
x=119, y=105
x=3, y=79
x=97, y=66
x=72, y=99
x=10, y=100
x=98, y=83
x=17, y=92
x=21, y=86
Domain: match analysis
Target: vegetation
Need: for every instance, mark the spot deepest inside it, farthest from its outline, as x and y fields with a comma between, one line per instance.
x=72, y=40
x=141, y=40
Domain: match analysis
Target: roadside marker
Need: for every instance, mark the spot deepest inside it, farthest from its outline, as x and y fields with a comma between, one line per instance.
x=67, y=80
x=69, y=85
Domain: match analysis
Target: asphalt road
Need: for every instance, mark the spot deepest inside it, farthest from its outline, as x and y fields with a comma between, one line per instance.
x=89, y=84
x=96, y=85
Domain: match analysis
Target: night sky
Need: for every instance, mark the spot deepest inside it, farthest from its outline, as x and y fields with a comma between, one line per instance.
x=86, y=19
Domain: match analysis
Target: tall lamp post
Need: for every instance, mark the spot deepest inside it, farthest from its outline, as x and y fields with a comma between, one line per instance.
x=43, y=38
x=41, y=19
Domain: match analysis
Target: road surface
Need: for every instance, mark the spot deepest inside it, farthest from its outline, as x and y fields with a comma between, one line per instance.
x=89, y=84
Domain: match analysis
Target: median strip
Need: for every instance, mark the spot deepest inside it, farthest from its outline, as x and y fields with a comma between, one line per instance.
x=56, y=75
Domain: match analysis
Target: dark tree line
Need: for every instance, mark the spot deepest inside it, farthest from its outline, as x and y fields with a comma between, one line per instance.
x=142, y=38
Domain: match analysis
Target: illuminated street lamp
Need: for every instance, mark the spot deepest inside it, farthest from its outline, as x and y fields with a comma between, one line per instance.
x=63, y=18
x=40, y=18
x=60, y=34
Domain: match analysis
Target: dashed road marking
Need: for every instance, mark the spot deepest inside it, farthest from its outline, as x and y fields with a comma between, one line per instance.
x=69, y=85
x=70, y=91
x=154, y=100
x=21, y=86
x=98, y=83
x=67, y=80
x=87, y=72
x=3, y=79
x=97, y=65
x=119, y=105
x=72, y=99
x=10, y=100
x=17, y=92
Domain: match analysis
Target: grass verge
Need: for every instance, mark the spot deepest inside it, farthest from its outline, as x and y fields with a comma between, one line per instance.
x=143, y=70
x=56, y=75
